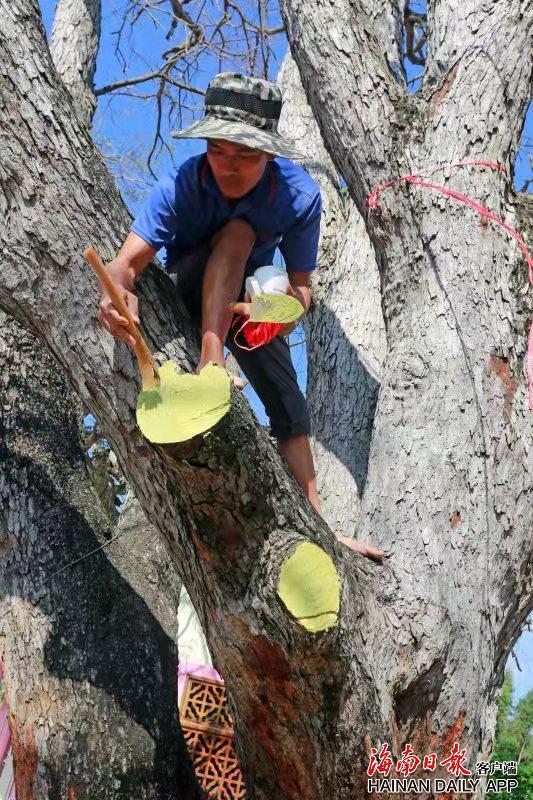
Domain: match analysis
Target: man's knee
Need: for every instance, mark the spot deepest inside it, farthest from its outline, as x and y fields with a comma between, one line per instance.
x=290, y=427
x=288, y=413
x=237, y=232
x=286, y=440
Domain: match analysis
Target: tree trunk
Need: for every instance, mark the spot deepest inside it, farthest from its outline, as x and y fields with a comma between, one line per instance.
x=90, y=648
x=147, y=582
x=344, y=328
x=449, y=480
x=74, y=47
x=397, y=664
x=230, y=512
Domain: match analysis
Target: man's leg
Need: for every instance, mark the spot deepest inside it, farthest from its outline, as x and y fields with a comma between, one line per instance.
x=296, y=451
x=223, y=279
x=268, y=368
x=198, y=287
x=271, y=373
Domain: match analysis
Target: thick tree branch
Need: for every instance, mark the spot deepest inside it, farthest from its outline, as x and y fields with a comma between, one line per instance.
x=453, y=371
x=415, y=654
x=90, y=641
x=387, y=19
x=74, y=47
x=357, y=116
x=342, y=391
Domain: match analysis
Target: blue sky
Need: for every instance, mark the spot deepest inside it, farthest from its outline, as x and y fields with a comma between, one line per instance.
x=123, y=125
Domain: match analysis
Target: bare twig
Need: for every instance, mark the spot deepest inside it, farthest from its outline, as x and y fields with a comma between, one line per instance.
x=236, y=33
x=519, y=668
x=415, y=34
x=150, y=76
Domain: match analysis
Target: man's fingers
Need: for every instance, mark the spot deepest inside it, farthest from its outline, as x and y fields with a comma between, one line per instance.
x=133, y=306
x=241, y=308
x=108, y=309
x=106, y=325
x=123, y=335
x=115, y=318
x=115, y=323
x=293, y=293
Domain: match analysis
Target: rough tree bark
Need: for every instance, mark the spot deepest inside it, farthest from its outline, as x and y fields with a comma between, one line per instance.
x=397, y=667
x=448, y=489
x=344, y=328
x=74, y=47
x=229, y=510
x=90, y=651
x=130, y=591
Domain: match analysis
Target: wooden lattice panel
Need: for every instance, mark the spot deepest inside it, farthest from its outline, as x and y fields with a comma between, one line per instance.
x=208, y=730
x=215, y=763
x=205, y=702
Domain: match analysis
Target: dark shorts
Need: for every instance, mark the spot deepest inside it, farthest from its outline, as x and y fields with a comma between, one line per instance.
x=268, y=368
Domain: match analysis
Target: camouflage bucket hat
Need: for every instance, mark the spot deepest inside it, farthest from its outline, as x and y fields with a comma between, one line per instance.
x=242, y=109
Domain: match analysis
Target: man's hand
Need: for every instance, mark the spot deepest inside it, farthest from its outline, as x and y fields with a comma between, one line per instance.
x=131, y=260
x=108, y=315
x=244, y=307
x=289, y=327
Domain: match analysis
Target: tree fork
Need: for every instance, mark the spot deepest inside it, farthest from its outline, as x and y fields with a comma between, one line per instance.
x=447, y=485
x=235, y=491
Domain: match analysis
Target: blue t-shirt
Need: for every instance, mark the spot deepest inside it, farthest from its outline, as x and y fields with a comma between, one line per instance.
x=186, y=208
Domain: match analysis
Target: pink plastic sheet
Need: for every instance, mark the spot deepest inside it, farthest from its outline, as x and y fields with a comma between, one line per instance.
x=5, y=739
x=198, y=670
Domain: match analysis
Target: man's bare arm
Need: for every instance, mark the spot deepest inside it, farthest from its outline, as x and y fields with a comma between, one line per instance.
x=301, y=290
x=132, y=258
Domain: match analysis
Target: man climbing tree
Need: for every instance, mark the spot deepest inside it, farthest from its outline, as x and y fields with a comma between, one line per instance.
x=245, y=204
x=411, y=652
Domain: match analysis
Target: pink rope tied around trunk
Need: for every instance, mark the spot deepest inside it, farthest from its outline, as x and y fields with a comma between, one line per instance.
x=372, y=201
